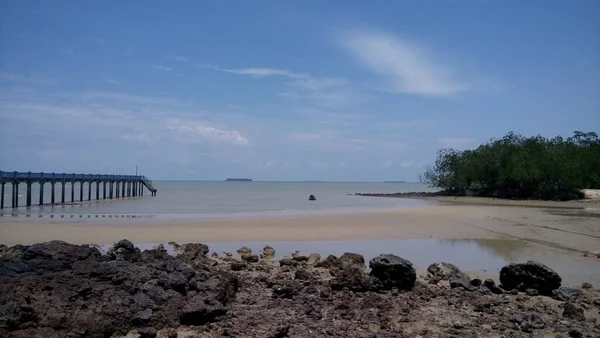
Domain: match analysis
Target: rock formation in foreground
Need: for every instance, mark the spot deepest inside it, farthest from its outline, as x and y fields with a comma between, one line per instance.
x=57, y=289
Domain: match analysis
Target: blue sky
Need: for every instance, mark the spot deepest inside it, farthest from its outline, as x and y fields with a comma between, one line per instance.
x=287, y=90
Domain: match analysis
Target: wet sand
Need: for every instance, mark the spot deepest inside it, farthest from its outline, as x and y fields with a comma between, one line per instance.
x=557, y=237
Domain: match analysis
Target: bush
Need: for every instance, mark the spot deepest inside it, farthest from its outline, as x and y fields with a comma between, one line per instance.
x=520, y=167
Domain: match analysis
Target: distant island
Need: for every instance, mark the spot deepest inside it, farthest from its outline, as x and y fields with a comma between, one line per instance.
x=235, y=179
x=394, y=181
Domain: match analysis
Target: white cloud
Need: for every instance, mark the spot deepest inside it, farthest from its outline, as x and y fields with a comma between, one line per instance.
x=112, y=81
x=258, y=71
x=387, y=164
x=455, y=142
x=163, y=68
x=211, y=133
x=407, y=66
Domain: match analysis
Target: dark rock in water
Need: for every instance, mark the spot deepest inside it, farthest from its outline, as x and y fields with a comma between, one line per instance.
x=353, y=279
x=565, y=293
x=461, y=281
x=299, y=258
x=443, y=271
x=268, y=253
x=491, y=285
x=193, y=251
x=572, y=311
x=586, y=286
x=312, y=198
x=532, y=274
x=238, y=266
x=391, y=271
x=476, y=282
x=214, y=255
x=352, y=259
x=250, y=258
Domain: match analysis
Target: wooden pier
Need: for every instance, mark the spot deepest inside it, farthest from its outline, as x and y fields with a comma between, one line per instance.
x=106, y=186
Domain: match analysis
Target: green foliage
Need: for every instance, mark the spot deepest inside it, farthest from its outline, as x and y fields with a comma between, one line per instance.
x=520, y=167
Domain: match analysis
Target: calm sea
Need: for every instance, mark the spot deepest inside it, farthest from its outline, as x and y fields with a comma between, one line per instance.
x=223, y=200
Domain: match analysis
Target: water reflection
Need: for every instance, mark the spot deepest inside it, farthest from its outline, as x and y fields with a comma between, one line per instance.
x=508, y=250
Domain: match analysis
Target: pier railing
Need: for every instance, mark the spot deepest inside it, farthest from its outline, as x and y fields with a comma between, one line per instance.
x=112, y=186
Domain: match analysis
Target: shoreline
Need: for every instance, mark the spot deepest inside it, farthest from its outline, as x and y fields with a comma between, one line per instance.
x=584, y=204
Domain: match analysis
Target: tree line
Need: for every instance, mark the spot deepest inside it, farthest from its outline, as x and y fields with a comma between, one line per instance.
x=520, y=167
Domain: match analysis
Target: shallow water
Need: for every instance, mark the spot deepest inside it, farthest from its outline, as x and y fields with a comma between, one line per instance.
x=222, y=200
x=479, y=257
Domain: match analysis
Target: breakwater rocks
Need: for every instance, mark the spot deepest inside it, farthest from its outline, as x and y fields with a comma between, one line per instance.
x=56, y=289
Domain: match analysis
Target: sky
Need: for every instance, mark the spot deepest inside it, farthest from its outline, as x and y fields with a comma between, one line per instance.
x=287, y=90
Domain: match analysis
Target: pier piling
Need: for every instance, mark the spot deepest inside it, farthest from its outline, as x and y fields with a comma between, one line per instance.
x=119, y=186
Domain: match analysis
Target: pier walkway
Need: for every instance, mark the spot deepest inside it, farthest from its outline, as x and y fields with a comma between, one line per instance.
x=106, y=186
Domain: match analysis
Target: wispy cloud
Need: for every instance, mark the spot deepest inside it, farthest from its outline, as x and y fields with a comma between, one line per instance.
x=31, y=79
x=330, y=92
x=111, y=81
x=387, y=164
x=163, y=68
x=210, y=133
x=406, y=65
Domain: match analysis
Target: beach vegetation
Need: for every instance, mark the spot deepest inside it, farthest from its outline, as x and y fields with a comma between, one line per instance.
x=520, y=167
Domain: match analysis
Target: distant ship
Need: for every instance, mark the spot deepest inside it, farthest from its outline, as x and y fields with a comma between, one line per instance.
x=248, y=179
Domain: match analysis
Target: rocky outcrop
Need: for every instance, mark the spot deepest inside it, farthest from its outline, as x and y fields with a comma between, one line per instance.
x=267, y=253
x=74, y=291
x=530, y=275
x=390, y=271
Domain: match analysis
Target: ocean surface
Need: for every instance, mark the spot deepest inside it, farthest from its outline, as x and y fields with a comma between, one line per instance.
x=193, y=199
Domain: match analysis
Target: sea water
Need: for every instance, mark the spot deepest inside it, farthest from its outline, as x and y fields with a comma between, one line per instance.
x=193, y=199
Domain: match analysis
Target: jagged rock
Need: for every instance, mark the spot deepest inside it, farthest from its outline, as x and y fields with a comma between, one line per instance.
x=287, y=262
x=353, y=279
x=444, y=271
x=192, y=252
x=198, y=312
x=124, y=250
x=391, y=271
x=491, y=285
x=337, y=265
x=299, y=258
x=244, y=251
x=476, y=282
x=268, y=253
x=214, y=255
x=238, y=266
x=571, y=311
x=250, y=258
x=461, y=281
x=156, y=254
x=586, y=286
x=286, y=289
x=313, y=258
x=303, y=274
x=565, y=293
x=532, y=275
x=531, y=292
